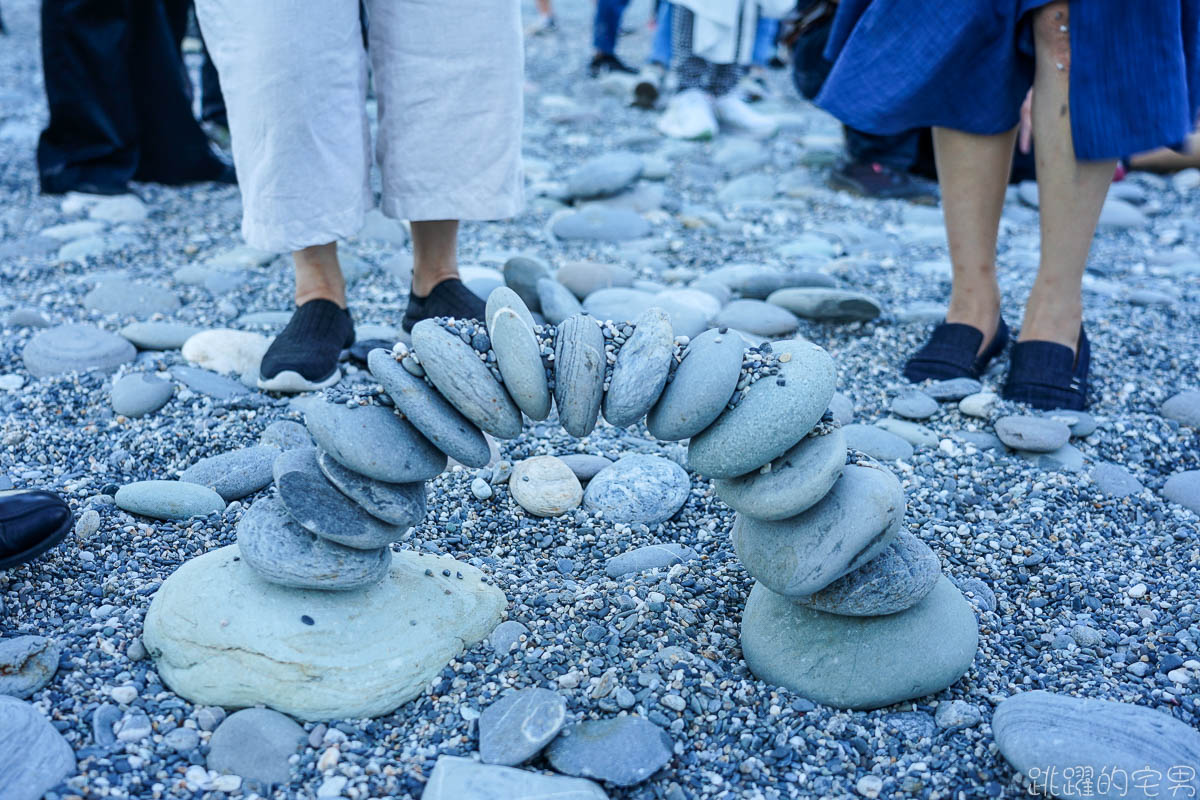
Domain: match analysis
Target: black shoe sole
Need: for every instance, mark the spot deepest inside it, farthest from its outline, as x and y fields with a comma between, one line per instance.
x=835, y=181
x=50, y=542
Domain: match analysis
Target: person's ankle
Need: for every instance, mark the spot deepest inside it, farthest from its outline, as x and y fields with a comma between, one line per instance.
x=1060, y=325
x=982, y=315
x=422, y=285
x=321, y=293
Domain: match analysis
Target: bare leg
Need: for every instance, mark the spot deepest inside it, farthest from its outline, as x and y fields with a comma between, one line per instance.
x=973, y=174
x=435, y=254
x=1071, y=192
x=318, y=276
x=544, y=8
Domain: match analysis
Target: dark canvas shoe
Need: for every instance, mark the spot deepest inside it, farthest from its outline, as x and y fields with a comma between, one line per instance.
x=1047, y=375
x=450, y=298
x=31, y=522
x=606, y=63
x=304, y=356
x=881, y=182
x=953, y=352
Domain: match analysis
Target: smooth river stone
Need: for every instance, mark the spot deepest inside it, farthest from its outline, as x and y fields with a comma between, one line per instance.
x=255, y=744
x=790, y=484
x=398, y=503
x=464, y=380
x=522, y=274
x=27, y=663
x=373, y=441
x=516, y=727
x=519, y=359
x=1039, y=731
x=221, y=635
x=585, y=465
x=701, y=387
x=76, y=348
x=235, y=474
x=600, y=223
x=139, y=394
x=429, y=412
x=545, y=486
x=833, y=305
x=1184, y=408
x=860, y=662
x=771, y=418
x=757, y=317
x=557, y=302
x=585, y=277
x=641, y=370
x=128, y=298
x=638, y=489
x=159, y=335
x=457, y=778
x=621, y=750
x=1032, y=434
x=896, y=579
x=604, y=175
x=284, y=553
x=168, y=499
x=313, y=501
x=618, y=304
x=503, y=297
x=579, y=363
x=803, y=554
x=34, y=756
x=652, y=556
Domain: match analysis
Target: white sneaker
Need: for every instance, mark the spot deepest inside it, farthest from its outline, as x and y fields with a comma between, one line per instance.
x=734, y=112
x=689, y=115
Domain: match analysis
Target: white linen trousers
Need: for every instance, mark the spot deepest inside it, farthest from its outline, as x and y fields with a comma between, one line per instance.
x=449, y=84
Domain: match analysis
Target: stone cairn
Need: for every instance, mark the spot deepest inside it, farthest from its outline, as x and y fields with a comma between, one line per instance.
x=848, y=609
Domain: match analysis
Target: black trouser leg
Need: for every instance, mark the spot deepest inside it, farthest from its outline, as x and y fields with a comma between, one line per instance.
x=91, y=140
x=898, y=151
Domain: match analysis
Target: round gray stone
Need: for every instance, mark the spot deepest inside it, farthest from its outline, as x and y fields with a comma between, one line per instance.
x=464, y=380
x=556, y=301
x=914, y=404
x=285, y=434
x=76, y=348
x=604, y=175
x=1032, y=434
x=1184, y=488
x=584, y=277
x=429, y=412
x=235, y=474
x=34, y=757
x=640, y=373
x=159, y=335
x=27, y=663
x=373, y=441
x=128, y=298
x=638, y=489
x=209, y=383
x=700, y=388
x=790, y=484
x=860, y=662
x=277, y=548
x=1184, y=408
x=774, y=414
x=584, y=465
x=758, y=282
x=654, y=556
x=600, y=224
x=255, y=743
x=457, y=778
x=502, y=297
x=877, y=443
x=801, y=555
x=168, y=499
x=320, y=508
x=953, y=390
x=757, y=317
x=518, y=355
x=1039, y=731
x=139, y=394
x=1114, y=480
x=829, y=305
x=397, y=503
x=618, y=304
x=896, y=579
x=522, y=274
x=516, y=727
x=579, y=363
x=621, y=750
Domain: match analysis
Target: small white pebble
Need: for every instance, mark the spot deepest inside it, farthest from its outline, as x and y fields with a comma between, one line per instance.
x=1137, y=591
x=869, y=785
x=124, y=694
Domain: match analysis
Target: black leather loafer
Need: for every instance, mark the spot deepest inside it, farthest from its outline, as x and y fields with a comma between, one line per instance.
x=31, y=522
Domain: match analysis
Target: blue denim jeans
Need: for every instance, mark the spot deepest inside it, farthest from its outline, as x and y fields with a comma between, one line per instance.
x=764, y=41
x=607, y=24
x=660, y=48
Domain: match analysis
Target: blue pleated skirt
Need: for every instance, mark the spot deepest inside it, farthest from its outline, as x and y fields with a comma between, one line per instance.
x=967, y=65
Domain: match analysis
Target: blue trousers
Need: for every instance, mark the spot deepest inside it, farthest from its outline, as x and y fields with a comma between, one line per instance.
x=607, y=24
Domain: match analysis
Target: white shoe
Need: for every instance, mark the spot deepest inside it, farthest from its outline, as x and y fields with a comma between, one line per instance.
x=689, y=115
x=734, y=112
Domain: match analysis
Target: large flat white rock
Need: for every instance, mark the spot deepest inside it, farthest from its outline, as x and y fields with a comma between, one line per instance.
x=223, y=636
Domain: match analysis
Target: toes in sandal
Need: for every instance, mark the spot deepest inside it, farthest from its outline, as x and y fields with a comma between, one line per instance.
x=1047, y=375
x=953, y=352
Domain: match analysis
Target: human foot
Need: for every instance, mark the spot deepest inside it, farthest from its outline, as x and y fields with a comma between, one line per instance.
x=450, y=298
x=304, y=356
x=1049, y=375
x=956, y=350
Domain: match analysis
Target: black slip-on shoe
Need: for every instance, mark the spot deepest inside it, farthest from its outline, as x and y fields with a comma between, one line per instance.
x=31, y=522
x=450, y=298
x=1048, y=376
x=953, y=352
x=304, y=356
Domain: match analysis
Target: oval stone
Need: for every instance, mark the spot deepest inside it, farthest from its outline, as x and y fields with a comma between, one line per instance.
x=1032, y=434
x=34, y=756
x=464, y=380
x=139, y=394
x=700, y=388
x=638, y=489
x=545, y=486
x=579, y=363
x=831, y=305
x=235, y=474
x=860, y=662
x=168, y=499
x=516, y=727
x=522, y=275
x=71, y=348
x=503, y=297
x=283, y=552
x=1038, y=732
x=429, y=412
x=398, y=503
x=373, y=441
x=896, y=579
x=519, y=358
x=320, y=508
x=775, y=414
x=556, y=301
x=790, y=484
x=803, y=554
x=640, y=373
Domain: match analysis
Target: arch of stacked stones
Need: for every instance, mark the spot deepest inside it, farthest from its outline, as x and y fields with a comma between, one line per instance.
x=841, y=587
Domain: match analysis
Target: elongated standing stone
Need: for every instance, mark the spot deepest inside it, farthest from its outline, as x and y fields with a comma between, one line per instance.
x=579, y=374
x=641, y=370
